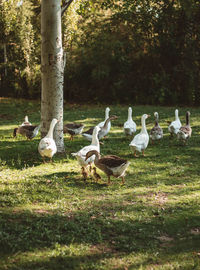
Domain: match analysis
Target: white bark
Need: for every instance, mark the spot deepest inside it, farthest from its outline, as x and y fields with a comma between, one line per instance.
x=52, y=68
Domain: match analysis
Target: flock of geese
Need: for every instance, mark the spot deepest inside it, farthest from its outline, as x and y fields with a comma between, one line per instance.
x=111, y=165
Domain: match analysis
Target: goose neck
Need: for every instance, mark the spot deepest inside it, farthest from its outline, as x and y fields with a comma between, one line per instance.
x=95, y=140
x=187, y=119
x=129, y=115
x=156, y=120
x=144, y=129
x=51, y=128
x=176, y=115
x=97, y=157
x=106, y=123
x=106, y=114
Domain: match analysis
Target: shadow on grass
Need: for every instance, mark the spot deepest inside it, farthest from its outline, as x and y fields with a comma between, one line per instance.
x=23, y=153
x=41, y=230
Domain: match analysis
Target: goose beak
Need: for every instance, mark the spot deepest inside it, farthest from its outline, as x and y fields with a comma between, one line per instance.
x=148, y=115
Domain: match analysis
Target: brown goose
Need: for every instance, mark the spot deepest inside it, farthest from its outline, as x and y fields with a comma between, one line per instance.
x=73, y=129
x=111, y=165
x=102, y=132
x=156, y=132
x=27, y=131
x=185, y=132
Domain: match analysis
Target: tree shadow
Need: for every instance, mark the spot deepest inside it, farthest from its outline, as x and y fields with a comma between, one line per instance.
x=40, y=230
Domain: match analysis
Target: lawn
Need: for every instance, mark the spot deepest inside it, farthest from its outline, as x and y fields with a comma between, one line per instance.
x=51, y=219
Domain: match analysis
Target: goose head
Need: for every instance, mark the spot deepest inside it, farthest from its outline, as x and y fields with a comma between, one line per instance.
x=145, y=116
x=91, y=153
x=156, y=115
x=54, y=121
x=129, y=112
x=107, y=112
x=113, y=117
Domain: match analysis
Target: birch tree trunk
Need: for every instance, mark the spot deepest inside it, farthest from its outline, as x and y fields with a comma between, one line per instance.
x=52, y=69
x=5, y=58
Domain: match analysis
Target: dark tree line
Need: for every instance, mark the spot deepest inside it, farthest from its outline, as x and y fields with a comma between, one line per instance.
x=143, y=52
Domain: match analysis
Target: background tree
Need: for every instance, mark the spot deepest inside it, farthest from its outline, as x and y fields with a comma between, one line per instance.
x=52, y=68
x=116, y=51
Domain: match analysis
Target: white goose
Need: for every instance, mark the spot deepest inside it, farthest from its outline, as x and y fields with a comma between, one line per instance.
x=47, y=146
x=106, y=117
x=102, y=132
x=175, y=125
x=81, y=154
x=141, y=140
x=26, y=122
x=129, y=125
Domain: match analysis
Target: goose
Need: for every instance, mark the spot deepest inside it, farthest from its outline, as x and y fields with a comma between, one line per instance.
x=26, y=122
x=107, y=110
x=80, y=155
x=111, y=165
x=73, y=129
x=97, y=177
x=185, y=132
x=84, y=173
x=141, y=140
x=102, y=131
x=129, y=125
x=175, y=125
x=47, y=146
x=28, y=131
x=156, y=132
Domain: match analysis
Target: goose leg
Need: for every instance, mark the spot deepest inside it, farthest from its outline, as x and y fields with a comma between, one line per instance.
x=123, y=180
x=143, y=153
x=135, y=154
x=109, y=180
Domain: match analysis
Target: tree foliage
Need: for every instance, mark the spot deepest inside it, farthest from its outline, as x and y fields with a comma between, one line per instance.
x=117, y=51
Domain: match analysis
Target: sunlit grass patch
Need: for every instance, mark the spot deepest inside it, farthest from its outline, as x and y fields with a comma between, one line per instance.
x=51, y=219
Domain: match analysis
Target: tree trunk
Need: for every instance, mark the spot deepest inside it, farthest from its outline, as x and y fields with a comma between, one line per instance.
x=5, y=58
x=52, y=69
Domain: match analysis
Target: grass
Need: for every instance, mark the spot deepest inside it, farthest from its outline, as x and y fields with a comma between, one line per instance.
x=51, y=219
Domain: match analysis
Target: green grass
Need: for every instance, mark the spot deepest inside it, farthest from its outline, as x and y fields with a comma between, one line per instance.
x=51, y=219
